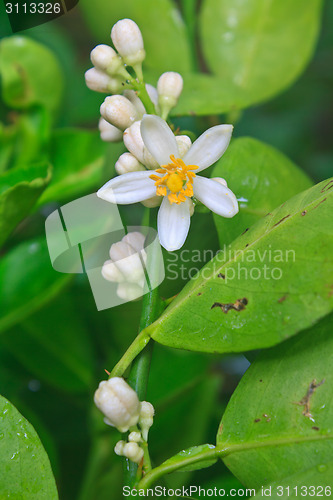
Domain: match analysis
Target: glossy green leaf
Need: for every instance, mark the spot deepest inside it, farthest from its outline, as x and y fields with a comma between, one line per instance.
x=25, y=470
x=261, y=177
x=160, y=22
x=278, y=424
x=27, y=281
x=189, y=453
x=30, y=74
x=19, y=190
x=258, y=47
x=273, y=281
x=78, y=159
x=55, y=350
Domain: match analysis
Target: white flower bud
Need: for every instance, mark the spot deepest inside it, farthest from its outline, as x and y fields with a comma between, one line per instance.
x=111, y=272
x=133, y=452
x=136, y=101
x=134, y=143
x=106, y=59
x=119, y=111
x=135, y=437
x=101, y=82
x=153, y=202
x=220, y=180
x=108, y=132
x=169, y=88
x=183, y=143
x=128, y=261
x=119, y=403
x=119, y=448
x=127, y=163
x=130, y=291
x=147, y=412
x=135, y=239
x=127, y=38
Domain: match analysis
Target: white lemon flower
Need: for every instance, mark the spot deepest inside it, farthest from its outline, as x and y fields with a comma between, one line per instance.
x=176, y=180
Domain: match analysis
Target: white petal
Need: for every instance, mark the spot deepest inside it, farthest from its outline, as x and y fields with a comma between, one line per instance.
x=173, y=223
x=128, y=188
x=215, y=196
x=158, y=139
x=209, y=147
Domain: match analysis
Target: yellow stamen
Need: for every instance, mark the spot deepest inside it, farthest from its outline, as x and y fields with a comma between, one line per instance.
x=177, y=181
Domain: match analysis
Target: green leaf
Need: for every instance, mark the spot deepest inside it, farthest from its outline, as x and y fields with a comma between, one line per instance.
x=261, y=177
x=78, y=159
x=27, y=281
x=160, y=22
x=30, y=74
x=258, y=48
x=274, y=437
x=25, y=470
x=273, y=281
x=191, y=452
x=58, y=353
x=19, y=190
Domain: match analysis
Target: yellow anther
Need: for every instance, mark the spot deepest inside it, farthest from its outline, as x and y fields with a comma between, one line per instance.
x=176, y=182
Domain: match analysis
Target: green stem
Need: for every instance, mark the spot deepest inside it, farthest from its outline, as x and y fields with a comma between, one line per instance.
x=219, y=451
x=134, y=349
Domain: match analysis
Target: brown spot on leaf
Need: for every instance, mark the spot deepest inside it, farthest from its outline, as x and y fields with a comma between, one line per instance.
x=198, y=294
x=322, y=201
x=246, y=245
x=239, y=305
x=268, y=420
x=245, y=231
x=257, y=420
x=265, y=415
x=304, y=212
x=305, y=401
x=220, y=275
x=315, y=428
x=281, y=220
x=282, y=299
x=327, y=186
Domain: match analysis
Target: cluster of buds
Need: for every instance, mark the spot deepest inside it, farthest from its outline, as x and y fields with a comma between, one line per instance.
x=122, y=111
x=123, y=410
x=127, y=266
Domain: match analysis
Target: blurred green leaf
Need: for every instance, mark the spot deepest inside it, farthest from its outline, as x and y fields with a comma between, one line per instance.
x=54, y=349
x=7, y=137
x=78, y=160
x=163, y=29
x=258, y=47
x=280, y=439
x=30, y=74
x=25, y=470
x=261, y=177
x=27, y=281
x=19, y=190
x=272, y=282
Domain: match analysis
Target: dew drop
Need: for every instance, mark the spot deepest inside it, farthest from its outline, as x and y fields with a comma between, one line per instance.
x=2, y=435
x=322, y=468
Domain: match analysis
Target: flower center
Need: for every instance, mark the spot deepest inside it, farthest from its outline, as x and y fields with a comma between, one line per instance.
x=177, y=181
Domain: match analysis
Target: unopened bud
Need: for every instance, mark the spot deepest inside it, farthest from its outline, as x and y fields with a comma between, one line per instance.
x=128, y=163
x=220, y=180
x=153, y=94
x=99, y=81
x=133, y=452
x=146, y=418
x=183, y=143
x=135, y=437
x=135, y=100
x=106, y=59
x=127, y=38
x=119, y=403
x=119, y=111
x=169, y=88
x=128, y=261
x=119, y=448
x=130, y=291
x=134, y=143
x=108, y=132
x=110, y=272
